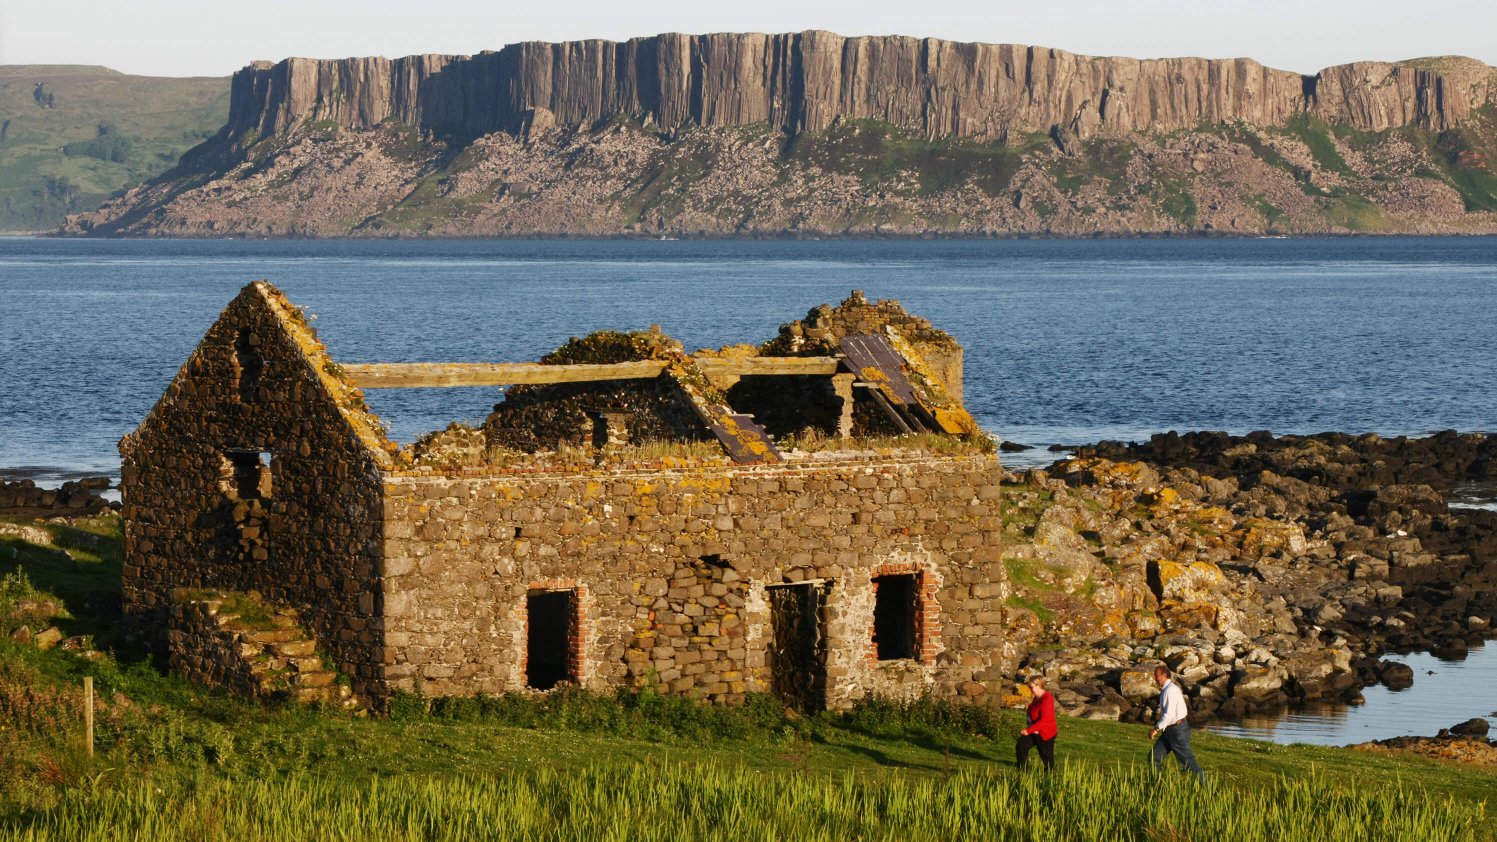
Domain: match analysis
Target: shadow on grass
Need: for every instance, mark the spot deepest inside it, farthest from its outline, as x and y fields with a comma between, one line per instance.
x=80, y=566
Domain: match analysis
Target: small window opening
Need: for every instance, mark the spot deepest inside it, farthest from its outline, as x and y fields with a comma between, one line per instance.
x=519, y=531
x=246, y=474
x=610, y=428
x=551, y=639
x=894, y=616
x=248, y=363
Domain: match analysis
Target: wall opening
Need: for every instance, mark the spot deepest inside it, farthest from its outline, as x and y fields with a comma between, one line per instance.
x=797, y=657
x=246, y=475
x=248, y=364
x=895, y=616
x=551, y=652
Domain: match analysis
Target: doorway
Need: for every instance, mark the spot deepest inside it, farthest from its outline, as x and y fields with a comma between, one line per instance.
x=797, y=657
x=551, y=638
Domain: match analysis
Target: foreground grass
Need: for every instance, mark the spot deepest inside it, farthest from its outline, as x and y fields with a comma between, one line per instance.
x=179, y=761
x=652, y=801
x=204, y=766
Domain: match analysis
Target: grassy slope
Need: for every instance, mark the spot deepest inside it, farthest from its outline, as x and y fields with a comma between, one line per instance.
x=179, y=735
x=161, y=117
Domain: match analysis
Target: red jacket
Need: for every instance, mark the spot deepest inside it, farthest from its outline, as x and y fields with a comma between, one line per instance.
x=1042, y=717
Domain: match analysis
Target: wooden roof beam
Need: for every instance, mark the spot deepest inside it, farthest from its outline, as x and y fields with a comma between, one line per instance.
x=447, y=375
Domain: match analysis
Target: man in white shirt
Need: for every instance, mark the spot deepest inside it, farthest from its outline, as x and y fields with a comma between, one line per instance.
x=1171, y=733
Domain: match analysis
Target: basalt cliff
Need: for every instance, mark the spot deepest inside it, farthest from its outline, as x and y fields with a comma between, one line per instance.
x=817, y=134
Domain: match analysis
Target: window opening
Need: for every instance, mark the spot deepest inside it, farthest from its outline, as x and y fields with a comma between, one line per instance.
x=247, y=475
x=248, y=363
x=551, y=638
x=894, y=616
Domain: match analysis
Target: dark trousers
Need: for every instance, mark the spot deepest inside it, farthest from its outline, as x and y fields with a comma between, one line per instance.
x=1176, y=740
x=1046, y=748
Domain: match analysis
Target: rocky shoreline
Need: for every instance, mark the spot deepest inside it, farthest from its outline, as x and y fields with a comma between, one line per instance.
x=1466, y=742
x=1264, y=570
x=76, y=498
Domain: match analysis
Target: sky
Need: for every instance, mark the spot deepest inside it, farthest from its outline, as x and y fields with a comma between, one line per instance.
x=215, y=38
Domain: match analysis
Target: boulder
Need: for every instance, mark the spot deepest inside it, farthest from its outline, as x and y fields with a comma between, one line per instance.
x=1257, y=683
x=48, y=638
x=1453, y=649
x=1137, y=685
x=1396, y=676
x=1389, y=595
x=1476, y=727
x=1233, y=708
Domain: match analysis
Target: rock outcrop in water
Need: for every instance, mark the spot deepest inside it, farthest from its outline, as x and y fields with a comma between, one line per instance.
x=1263, y=570
x=814, y=133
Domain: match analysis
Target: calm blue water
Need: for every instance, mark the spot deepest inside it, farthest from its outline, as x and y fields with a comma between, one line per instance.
x=1067, y=342
x=1445, y=693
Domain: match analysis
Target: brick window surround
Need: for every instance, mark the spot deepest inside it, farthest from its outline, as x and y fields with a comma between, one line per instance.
x=576, y=627
x=927, y=616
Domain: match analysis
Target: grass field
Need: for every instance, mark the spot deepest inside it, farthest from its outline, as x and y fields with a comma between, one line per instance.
x=178, y=761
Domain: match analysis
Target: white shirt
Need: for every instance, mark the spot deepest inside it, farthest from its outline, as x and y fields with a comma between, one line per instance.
x=1171, y=705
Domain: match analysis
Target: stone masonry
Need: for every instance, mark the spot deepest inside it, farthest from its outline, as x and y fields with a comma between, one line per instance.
x=844, y=573
x=677, y=564
x=233, y=640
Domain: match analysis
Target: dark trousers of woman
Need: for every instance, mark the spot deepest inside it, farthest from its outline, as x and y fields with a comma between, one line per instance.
x=1046, y=748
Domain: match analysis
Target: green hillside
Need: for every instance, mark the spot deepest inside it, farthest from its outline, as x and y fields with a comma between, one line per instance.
x=71, y=136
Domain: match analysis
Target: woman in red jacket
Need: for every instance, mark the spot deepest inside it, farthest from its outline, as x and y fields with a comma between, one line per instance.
x=1040, y=734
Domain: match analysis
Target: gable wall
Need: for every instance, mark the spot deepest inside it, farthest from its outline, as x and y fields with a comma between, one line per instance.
x=316, y=546
x=462, y=552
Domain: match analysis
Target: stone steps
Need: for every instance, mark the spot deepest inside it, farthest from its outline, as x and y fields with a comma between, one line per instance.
x=278, y=653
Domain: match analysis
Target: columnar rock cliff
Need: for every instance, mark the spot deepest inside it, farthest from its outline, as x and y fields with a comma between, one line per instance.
x=806, y=81
x=819, y=135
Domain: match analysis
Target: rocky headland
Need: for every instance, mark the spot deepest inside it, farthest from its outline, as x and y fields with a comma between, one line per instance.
x=1264, y=570
x=814, y=134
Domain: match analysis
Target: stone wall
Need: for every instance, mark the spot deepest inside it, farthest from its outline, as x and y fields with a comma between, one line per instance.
x=674, y=570
x=202, y=648
x=238, y=642
x=203, y=509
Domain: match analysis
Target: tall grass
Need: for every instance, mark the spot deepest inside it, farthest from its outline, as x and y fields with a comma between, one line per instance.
x=650, y=715
x=708, y=801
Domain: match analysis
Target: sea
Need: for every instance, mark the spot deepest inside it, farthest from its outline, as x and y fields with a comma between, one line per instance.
x=1067, y=341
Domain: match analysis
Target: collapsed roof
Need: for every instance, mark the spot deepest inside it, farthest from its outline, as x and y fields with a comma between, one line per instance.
x=858, y=369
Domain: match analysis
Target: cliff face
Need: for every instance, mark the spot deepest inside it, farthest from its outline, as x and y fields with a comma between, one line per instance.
x=806, y=81
x=1436, y=94
x=813, y=134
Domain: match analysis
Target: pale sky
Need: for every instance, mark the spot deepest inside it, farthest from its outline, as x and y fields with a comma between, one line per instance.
x=215, y=38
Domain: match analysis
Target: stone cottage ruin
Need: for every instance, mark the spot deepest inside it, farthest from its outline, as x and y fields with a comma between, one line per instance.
x=817, y=517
